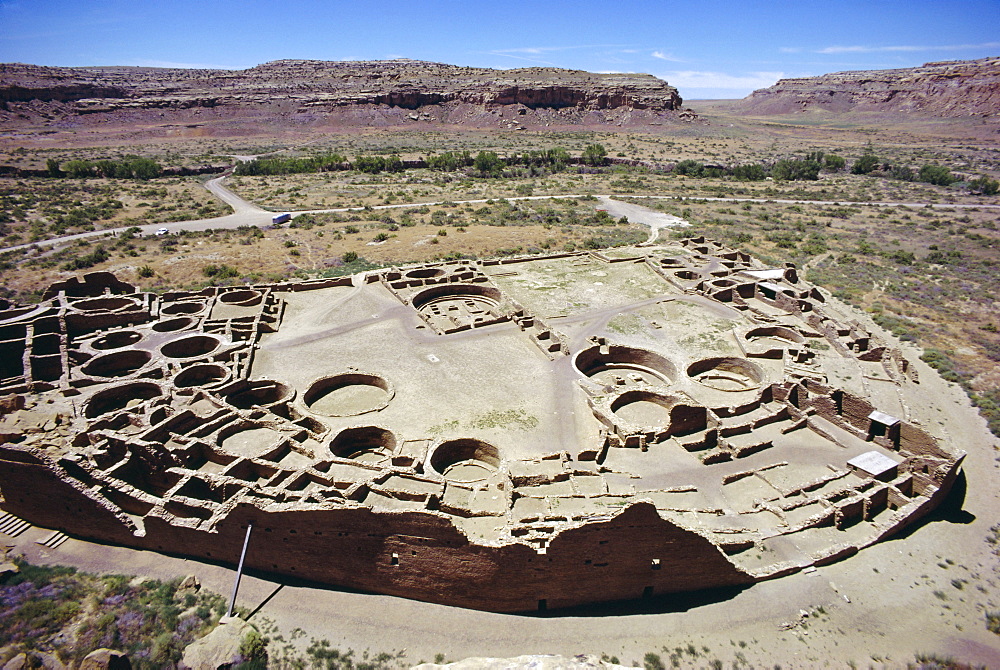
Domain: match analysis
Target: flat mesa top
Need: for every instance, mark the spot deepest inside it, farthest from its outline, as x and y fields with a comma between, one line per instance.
x=478, y=433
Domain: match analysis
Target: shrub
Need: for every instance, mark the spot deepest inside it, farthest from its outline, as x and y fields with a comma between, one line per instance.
x=834, y=163
x=594, y=154
x=449, y=161
x=130, y=167
x=369, y=164
x=222, y=271
x=793, y=170
x=751, y=172
x=488, y=163
x=901, y=172
x=272, y=166
x=349, y=256
x=867, y=163
x=937, y=175
x=984, y=185
x=689, y=167
x=98, y=255
x=652, y=661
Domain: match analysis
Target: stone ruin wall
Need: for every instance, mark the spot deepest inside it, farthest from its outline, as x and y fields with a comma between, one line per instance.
x=631, y=553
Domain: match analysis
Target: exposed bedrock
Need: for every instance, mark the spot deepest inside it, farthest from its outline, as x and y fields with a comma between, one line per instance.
x=318, y=87
x=950, y=89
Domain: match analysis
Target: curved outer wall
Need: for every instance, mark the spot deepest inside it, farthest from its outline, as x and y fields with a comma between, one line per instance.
x=349, y=547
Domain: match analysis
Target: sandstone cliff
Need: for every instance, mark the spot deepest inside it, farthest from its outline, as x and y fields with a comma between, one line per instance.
x=357, y=93
x=949, y=89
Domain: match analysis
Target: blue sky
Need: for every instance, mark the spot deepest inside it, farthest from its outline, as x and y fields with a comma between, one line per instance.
x=705, y=48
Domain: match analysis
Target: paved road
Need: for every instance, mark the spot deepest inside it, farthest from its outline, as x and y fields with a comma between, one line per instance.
x=246, y=213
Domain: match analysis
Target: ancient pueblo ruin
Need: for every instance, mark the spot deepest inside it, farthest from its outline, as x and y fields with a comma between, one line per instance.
x=509, y=435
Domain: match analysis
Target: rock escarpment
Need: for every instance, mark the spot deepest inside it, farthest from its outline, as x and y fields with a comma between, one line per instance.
x=385, y=92
x=948, y=89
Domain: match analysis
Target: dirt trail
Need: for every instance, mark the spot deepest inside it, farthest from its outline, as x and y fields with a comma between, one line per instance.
x=644, y=215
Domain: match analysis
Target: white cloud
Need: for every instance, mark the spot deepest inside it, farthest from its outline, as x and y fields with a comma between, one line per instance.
x=904, y=47
x=688, y=79
x=663, y=56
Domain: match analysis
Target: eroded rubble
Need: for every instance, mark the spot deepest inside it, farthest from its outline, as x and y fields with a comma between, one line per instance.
x=531, y=433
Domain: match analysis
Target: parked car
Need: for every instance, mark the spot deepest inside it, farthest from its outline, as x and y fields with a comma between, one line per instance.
x=162, y=231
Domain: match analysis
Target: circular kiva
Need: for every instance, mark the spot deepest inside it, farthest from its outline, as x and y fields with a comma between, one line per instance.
x=118, y=397
x=643, y=408
x=173, y=325
x=117, y=339
x=18, y=313
x=183, y=307
x=368, y=444
x=726, y=374
x=116, y=364
x=776, y=333
x=465, y=460
x=261, y=393
x=438, y=297
x=348, y=394
x=202, y=374
x=106, y=304
x=623, y=362
x=190, y=346
x=246, y=297
x=424, y=273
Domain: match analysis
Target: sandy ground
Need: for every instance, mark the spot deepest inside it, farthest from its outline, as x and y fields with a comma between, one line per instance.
x=924, y=592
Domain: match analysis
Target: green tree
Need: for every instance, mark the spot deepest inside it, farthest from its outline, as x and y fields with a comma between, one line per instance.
x=937, y=175
x=691, y=168
x=751, y=172
x=141, y=168
x=792, y=170
x=595, y=154
x=79, y=169
x=393, y=163
x=488, y=163
x=370, y=164
x=984, y=185
x=833, y=162
x=867, y=163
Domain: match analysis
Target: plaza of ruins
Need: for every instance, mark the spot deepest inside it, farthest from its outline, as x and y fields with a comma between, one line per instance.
x=510, y=435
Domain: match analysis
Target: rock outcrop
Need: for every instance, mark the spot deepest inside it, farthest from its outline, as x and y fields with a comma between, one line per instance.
x=105, y=659
x=947, y=89
x=218, y=649
x=387, y=92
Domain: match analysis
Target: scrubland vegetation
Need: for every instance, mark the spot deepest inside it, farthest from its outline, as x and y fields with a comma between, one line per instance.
x=925, y=273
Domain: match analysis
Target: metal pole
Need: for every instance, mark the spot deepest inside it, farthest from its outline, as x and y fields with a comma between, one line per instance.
x=239, y=570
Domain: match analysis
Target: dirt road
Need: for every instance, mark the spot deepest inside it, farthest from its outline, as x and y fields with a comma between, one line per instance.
x=246, y=213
